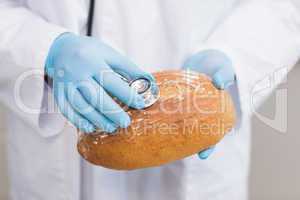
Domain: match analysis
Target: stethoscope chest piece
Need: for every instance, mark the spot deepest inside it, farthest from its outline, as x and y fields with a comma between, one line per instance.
x=146, y=89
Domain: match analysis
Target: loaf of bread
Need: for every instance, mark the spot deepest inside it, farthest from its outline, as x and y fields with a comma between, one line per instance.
x=190, y=115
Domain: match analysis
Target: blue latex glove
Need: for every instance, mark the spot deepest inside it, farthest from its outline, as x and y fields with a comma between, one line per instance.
x=218, y=66
x=84, y=76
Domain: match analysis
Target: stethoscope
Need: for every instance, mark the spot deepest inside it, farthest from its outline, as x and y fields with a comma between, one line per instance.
x=143, y=86
x=90, y=18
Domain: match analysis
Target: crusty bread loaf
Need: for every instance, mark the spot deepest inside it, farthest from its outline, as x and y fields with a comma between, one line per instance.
x=191, y=115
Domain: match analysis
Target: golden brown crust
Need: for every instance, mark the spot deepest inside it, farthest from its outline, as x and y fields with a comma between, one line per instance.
x=191, y=115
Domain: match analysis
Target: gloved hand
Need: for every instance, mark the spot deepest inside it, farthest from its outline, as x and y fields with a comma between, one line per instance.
x=84, y=76
x=218, y=66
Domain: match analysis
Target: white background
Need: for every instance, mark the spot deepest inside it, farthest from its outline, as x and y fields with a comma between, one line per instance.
x=275, y=170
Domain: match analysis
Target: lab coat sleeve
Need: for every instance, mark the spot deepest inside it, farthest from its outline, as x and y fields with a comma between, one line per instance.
x=262, y=37
x=25, y=39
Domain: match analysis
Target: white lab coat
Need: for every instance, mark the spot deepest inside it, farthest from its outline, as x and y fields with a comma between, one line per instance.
x=259, y=36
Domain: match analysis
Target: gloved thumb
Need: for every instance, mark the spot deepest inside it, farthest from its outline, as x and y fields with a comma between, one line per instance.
x=223, y=78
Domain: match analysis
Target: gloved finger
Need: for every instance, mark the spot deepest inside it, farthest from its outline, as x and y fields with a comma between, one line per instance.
x=206, y=153
x=223, y=78
x=117, y=87
x=76, y=119
x=108, y=107
x=87, y=111
x=122, y=65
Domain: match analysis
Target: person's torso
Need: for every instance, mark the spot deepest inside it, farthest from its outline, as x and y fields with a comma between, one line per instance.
x=155, y=34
